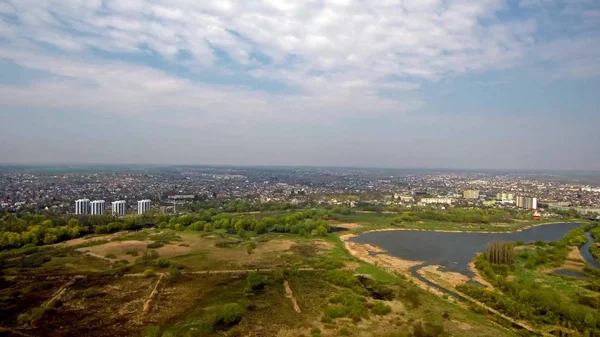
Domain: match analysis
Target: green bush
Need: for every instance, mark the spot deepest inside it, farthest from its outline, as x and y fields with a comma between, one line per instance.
x=148, y=272
x=110, y=256
x=132, y=252
x=381, y=309
x=154, y=245
x=346, y=304
x=91, y=292
x=255, y=281
x=229, y=314
x=162, y=263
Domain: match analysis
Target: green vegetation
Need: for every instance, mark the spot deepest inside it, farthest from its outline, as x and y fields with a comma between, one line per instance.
x=255, y=281
x=148, y=272
x=91, y=292
x=595, y=248
x=524, y=292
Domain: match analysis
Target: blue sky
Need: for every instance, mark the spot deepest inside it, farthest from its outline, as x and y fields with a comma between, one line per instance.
x=389, y=83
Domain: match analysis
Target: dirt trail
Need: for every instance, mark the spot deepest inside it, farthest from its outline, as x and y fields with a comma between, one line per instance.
x=153, y=295
x=61, y=292
x=290, y=295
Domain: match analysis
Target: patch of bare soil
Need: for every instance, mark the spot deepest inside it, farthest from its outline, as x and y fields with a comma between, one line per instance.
x=119, y=248
x=348, y=226
x=451, y=278
x=391, y=263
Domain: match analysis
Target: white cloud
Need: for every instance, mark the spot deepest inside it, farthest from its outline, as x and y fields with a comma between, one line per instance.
x=342, y=50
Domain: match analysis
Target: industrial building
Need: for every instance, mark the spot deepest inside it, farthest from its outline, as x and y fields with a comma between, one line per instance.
x=82, y=206
x=97, y=207
x=143, y=206
x=526, y=202
x=118, y=208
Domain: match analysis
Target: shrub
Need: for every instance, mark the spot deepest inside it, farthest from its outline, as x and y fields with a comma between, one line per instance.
x=173, y=275
x=230, y=314
x=162, y=263
x=24, y=319
x=255, y=281
x=427, y=330
x=412, y=295
x=148, y=272
x=251, y=247
x=154, y=245
x=91, y=292
x=381, y=309
x=279, y=275
x=132, y=252
x=110, y=256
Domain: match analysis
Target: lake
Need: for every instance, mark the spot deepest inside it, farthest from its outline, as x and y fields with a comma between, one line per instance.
x=454, y=250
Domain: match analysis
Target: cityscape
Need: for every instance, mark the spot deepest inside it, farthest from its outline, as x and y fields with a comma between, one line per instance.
x=137, y=190
x=284, y=168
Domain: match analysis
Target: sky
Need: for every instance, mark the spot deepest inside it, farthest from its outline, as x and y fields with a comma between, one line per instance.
x=501, y=84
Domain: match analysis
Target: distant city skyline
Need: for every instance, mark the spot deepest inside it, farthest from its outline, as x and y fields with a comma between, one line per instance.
x=485, y=84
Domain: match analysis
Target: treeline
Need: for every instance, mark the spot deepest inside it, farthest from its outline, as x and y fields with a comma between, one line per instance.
x=462, y=215
x=17, y=230
x=526, y=300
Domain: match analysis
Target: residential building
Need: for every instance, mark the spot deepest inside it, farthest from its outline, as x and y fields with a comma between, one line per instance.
x=505, y=197
x=118, y=208
x=82, y=206
x=97, y=207
x=439, y=200
x=526, y=202
x=471, y=194
x=143, y=206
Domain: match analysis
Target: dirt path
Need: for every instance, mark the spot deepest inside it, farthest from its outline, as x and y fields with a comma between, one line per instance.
x=61, y=292
x=290, y=295
x=153, y=295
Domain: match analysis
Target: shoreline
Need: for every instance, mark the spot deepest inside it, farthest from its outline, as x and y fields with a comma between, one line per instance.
x=455, y=231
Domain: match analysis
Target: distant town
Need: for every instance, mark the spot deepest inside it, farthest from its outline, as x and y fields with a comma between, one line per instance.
x=136, y=190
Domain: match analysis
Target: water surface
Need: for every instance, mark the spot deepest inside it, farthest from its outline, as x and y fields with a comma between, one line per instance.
x=454, y=250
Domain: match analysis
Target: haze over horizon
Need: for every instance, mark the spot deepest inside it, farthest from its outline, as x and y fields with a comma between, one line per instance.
x=401, y=84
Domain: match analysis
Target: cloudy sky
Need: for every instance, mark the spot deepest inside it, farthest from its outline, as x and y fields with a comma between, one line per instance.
x=376, y=83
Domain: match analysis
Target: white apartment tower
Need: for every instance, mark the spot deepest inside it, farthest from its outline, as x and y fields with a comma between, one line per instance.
x=97, y=207
x=82, y=206
x=526, y=202
x=118, y=208
x=143, y=206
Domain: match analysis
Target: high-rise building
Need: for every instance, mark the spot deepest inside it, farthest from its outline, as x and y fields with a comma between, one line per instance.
x=143, y=206
x=82, y=206
x=471, y=194
x=118, y=208
x=505, y=196
x=526, y=202
x=97, y=207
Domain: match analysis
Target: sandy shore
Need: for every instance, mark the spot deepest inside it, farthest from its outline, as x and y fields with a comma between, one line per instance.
x=478, y=278
x=391, y=264
x=449, y=278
